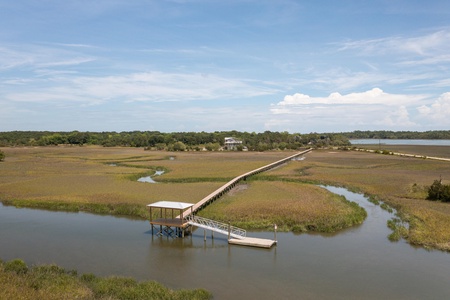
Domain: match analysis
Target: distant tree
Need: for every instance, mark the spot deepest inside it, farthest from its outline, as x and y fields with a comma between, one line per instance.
x=212, y=146
x=2, y=155
x=160, y=146
x=179, y=146
x=77, y=138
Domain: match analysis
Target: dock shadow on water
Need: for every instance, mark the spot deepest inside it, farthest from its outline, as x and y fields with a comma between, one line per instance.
x=357, y=263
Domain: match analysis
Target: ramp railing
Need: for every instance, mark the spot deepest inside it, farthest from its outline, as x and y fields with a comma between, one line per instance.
x=215, y=226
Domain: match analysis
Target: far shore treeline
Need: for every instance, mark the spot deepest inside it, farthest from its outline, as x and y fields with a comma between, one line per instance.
x=263, y=141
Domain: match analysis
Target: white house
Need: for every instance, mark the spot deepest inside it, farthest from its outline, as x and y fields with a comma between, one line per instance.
x=232, y=143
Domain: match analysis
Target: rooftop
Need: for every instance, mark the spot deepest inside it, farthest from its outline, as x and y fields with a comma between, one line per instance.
x=171, y=204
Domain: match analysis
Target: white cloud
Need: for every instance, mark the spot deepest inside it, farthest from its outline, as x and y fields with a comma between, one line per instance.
x=66, y=62
x=150, y=86
x=398, y=117
x=438, y=111
x=371, y=110
x=36, y=56
x=433, y=60
x=373, y=96
x=427, y=44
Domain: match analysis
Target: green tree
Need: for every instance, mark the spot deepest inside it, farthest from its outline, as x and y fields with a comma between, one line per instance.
x=212, y=146
x=179, y=146
x=439, y=192
x=2, y=155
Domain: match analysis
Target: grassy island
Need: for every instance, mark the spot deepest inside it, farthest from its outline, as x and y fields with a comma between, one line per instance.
x=18, y=281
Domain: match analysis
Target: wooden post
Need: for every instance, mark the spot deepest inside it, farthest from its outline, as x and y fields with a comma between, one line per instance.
x=275, y=227
x=151, y=219
x=204, y=233
x=229, y=230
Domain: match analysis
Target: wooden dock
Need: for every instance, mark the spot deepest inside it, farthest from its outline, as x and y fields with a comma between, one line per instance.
x=177, y=224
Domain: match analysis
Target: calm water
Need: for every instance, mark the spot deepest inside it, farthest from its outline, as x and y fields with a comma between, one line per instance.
x=400, y=142
x=356, y=263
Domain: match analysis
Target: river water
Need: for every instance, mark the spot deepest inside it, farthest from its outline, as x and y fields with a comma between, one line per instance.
x=357, y=263
x=400, y=142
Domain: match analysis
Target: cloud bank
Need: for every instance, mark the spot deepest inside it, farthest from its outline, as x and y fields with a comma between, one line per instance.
x=369, y=110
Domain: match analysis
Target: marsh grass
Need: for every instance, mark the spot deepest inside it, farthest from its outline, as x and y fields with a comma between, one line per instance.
x=436, y=151
x=397, y=181
x=292, y=206
x=80, y=178
x=18, y=281
x=104, y=180
x=399, y=230
x=119, y=209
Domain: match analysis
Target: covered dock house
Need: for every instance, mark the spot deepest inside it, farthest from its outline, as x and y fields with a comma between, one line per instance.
x=171, y=221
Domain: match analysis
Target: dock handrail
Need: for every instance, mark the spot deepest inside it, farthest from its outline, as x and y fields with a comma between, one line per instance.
x=219, y=227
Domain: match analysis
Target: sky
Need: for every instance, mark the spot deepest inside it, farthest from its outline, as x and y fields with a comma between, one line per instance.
x=207, y=65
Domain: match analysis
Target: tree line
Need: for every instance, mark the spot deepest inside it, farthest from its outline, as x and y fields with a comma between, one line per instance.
x=180, y=141
x=252, y=141
x=402, y=135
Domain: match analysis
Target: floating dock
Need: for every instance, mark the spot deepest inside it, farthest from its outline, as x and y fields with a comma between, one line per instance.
x=253, y=242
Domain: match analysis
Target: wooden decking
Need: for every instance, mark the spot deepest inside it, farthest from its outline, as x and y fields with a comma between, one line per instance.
x=170, y=222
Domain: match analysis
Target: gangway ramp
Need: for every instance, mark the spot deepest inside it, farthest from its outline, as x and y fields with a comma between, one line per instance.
x=236, y=236
x=215, y=226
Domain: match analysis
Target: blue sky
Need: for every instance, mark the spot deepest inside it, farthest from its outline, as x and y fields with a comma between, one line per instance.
x=203, y=65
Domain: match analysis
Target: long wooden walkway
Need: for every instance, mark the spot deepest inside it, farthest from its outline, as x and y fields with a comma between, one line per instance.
x=232, y=183
x=235, y=235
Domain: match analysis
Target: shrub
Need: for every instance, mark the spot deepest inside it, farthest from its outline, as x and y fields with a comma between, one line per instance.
x=439, y=192
x=2, y=155
x=16, y=265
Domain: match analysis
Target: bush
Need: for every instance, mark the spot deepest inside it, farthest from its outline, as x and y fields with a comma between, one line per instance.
x=2, y=155
x=17, y=265
x=439, y=192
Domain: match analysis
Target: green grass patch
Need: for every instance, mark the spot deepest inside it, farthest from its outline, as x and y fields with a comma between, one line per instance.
x=293, y=206
x=399, y=231
x=119, y=209
x=18, y=281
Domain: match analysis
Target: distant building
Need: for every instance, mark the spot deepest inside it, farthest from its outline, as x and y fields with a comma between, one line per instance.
x=232, y=143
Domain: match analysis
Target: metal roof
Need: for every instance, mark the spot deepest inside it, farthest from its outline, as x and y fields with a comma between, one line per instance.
x=170, y=204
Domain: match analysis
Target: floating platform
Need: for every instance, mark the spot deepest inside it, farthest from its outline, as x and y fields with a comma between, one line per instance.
x=253, y=242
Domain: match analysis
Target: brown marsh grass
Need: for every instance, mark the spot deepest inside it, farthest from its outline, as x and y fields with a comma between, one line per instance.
x=84, y=176
x=95, y=177
x=292, y=206
x=436, y=151
x=399, y=181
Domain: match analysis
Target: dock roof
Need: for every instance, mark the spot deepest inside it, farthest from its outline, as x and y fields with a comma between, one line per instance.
x=171, y=204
